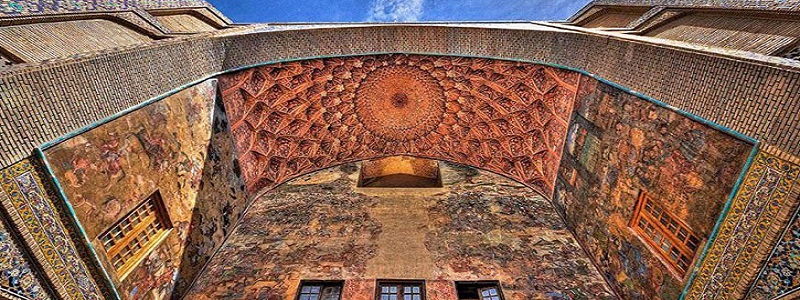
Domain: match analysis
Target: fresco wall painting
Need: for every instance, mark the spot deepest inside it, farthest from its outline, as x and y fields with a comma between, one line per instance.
x=177, y=146
x=619, y=145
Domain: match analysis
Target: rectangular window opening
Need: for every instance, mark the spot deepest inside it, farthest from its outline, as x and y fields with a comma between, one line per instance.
x=400, y=290
x=479, y=290
x=320, y=290
x=670, y=238
x=134, y=236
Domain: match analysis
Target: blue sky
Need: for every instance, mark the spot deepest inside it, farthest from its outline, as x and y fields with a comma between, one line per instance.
x=261, y=11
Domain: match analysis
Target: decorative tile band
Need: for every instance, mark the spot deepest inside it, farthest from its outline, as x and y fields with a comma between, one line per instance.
x=762, y=194
x=18, y=277
x=780, y=275
x=15, y=8
x=34, y=214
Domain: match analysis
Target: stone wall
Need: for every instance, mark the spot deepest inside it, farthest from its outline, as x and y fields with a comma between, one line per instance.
x=620, y=145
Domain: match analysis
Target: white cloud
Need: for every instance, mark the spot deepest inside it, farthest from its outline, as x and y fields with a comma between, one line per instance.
x=395, y=10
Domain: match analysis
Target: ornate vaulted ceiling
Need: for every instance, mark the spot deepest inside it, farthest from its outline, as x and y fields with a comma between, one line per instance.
x=507, y=117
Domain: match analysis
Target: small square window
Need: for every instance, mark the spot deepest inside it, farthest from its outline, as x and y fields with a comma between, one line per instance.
x=479, y=290
x=320, y=290
x=401, y=290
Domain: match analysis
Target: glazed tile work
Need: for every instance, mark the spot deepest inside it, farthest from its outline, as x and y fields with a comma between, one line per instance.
x=47, y=232
x=619, y=145
x=781, y=273
x=11, y=8
x=479, y=226
x=293, y=118
x=755, y=208
x=18, y=278
x=175, y=146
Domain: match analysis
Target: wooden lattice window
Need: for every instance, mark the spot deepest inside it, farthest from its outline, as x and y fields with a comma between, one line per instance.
x=673, y=240
x=320, y=290
x=401, y=290
x=133, y=237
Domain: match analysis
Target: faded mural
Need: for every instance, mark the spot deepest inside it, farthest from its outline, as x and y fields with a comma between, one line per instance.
x=478, y=226
x=619, y=145
x=177, y=146
x=292, y=118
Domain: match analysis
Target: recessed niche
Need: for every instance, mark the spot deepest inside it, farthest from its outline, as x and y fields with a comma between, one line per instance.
x=400, y=172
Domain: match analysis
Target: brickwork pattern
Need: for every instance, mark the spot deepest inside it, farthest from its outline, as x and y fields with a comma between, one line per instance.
x=184, y=23
x=787, y=5
x=760, y=101
x=55, y=40
x=731, y=31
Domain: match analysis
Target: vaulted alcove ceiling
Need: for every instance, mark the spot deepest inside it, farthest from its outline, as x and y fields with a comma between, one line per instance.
x=503, y=116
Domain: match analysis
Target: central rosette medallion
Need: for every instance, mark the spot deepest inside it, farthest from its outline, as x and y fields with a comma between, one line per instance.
x=400, y=102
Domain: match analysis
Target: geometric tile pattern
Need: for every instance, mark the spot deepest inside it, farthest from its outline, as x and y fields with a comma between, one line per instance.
x=12, y=8
x=755, y=207
x=781, y=273
x=292, y=118
x=18, y=279
x=33, y=213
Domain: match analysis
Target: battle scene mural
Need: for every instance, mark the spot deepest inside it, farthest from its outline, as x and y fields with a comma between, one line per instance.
x=178, y=147
x=292, y=118
x=479, y=226
x=620, y=146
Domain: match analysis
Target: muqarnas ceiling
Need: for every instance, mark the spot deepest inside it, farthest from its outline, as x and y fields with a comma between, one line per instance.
x=293, y=118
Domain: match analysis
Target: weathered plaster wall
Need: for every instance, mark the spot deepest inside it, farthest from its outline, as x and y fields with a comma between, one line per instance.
x=620, y=144
x=479, y=226
x=292, y=118
x=178, y=146
x=18, y=277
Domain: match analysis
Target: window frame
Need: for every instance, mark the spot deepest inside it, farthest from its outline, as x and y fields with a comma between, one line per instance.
x=480, y=286
x=322, y=283
x=644, y=214
x=400, y=284
x=159, y=216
